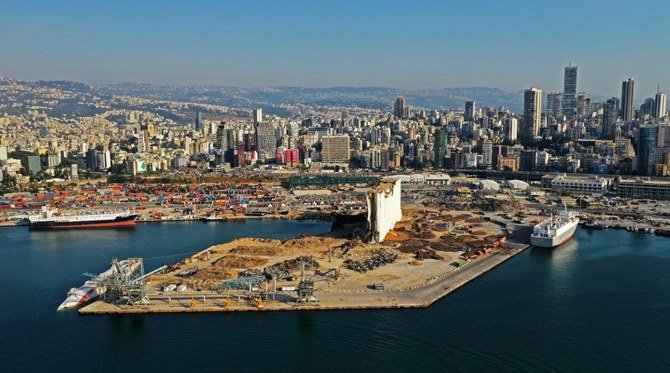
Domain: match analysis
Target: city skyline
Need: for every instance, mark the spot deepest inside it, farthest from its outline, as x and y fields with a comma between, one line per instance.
x=182, y=45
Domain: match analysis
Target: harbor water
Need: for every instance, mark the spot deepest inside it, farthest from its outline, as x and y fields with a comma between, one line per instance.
x=600, y=302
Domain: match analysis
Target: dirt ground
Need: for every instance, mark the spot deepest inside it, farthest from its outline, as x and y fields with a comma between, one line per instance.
x=426, y=244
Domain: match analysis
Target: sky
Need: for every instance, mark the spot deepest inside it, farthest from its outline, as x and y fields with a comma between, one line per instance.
x=418, y=44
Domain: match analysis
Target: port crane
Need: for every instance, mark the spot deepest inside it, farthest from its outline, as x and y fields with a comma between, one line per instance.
x=129, y=284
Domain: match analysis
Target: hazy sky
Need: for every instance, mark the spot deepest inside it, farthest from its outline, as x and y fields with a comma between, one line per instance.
x=404, y=44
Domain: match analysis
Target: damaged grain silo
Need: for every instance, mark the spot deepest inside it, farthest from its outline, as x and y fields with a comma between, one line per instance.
x=383, y=209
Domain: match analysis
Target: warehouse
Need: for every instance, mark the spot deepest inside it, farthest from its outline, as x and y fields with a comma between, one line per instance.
x=643, y=189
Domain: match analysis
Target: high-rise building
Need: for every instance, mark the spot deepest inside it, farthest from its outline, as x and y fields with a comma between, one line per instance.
x=570, y=80
x=440, y=148
x=532, y=111
x=627, y=110
x=266, y=140
x=610, y=115
x=645, y=149
x=528, y=160
x=198, y=121
x=583, y=105
x=92, y=159
x=555, y=104
x=487, y=153
x=648, y=107
x=231, y=139
x=399, y=107
x=570, y=91
x=31, y=163
x=335, y=149
x=511, y=126
x=257, y=116
x=660, y=105
x=663, y=137
x=221, y=143
x=469, y=115
x=105, y=160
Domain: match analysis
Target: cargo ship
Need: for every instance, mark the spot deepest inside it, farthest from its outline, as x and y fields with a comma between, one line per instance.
x=50, y=218
x=95, y=287
x=555, y=231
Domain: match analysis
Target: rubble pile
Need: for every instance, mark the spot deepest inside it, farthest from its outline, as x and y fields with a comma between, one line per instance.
x=422, y=254
x=237, y=261
x=380, y=258
x=242, y=283
x=284, y=270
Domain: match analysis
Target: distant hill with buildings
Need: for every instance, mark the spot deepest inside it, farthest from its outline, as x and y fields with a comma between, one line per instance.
x=370, y=97
x=275, y=100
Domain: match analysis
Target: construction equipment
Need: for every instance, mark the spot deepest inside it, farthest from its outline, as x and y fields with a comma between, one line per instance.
x=259, y=303
x=227, y=304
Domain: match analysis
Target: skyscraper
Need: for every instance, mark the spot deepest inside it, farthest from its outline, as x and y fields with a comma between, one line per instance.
x=266, y=141
x=469, y=115
x=258, y=116
x=660, y=105
x=532, y=111
x=198, y=121
x=570, y=91
x=627, y=111
x=610, y=115
x=645, y=149
x=648, y=107
x=487, y=153
x=440, y=148
x=511, y=127
x=555, y=104
x=222, y=142
x=570, y=80
x=399, y=107
x=583, y=105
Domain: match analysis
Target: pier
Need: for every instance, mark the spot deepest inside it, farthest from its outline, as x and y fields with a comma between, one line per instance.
x=418, y=296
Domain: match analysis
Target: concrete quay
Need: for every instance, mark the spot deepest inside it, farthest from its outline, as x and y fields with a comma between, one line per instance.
x=419, y=296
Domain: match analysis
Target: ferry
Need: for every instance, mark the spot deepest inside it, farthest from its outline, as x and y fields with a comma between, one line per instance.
x=555, y=231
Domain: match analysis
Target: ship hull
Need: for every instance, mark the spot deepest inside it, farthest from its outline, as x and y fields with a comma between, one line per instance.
x=119, y=222
x=556, y=241
x=82, y=297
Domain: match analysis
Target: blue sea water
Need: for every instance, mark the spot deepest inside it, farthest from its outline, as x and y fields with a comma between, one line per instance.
x=600, y=302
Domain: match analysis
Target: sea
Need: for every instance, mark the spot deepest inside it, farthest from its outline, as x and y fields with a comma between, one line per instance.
x=599, y=303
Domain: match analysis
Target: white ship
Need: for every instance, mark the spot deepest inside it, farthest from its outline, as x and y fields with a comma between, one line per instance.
x=556, y=230
x=50, y=218
x=94, y=287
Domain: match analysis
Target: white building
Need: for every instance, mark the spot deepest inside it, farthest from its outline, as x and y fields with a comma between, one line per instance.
x=517, y=184
x=488, y=186
x=580, y=185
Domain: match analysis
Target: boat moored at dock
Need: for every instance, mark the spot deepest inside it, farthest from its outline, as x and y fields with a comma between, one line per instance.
x=95, y=287
x=50, y=218
x=555, y=231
